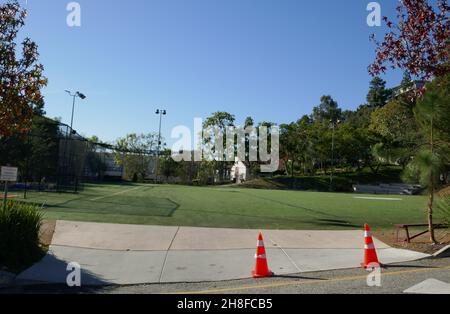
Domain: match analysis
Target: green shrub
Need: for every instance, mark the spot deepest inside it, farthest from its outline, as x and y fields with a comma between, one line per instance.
x=19, y=235
x=444, y=209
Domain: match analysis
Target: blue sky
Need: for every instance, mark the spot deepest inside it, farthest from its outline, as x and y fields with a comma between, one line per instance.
x=269, y=59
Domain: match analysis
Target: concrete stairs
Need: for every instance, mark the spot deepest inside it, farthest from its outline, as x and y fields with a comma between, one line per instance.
x=388, y=189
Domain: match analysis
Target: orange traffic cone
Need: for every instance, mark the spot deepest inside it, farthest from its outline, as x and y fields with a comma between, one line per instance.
x=370, y=253
x=262, y=268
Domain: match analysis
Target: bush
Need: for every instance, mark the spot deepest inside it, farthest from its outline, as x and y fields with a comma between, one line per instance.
x=444, y=209
x=19, y=235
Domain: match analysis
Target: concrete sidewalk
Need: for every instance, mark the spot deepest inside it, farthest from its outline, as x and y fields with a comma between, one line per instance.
x=130, y=254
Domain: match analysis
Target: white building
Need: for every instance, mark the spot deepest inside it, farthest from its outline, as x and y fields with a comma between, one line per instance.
x=239, y=172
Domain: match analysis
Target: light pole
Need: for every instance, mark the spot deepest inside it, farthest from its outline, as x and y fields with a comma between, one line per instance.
x=333, y=126
x=74, y=95
x=161, y=113
x=65, y=162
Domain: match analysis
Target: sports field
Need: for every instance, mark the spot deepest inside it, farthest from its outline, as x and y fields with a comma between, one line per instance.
x=229, y=207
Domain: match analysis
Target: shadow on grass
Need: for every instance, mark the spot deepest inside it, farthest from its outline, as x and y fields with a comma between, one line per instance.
x=144, y=211
x=167, y=212
x=306, y=209
x=336, y=223
x=268, y=219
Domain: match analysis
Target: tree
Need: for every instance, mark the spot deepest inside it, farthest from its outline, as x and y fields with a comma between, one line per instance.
x=252, y=165
x=167, y=166
x=220, y=121
x=44, y=143
x=359, y=118
x=352, y=145
x=395, y=122
x=433, y=114
x=249, y=122
x=418, y=43
x=378, y=95
x=305, y=147
x=94, y=139
x=134, y=153
x=407, y=92
x=21, y=76
x=435, y=106
x=406, y=80
x=295, y=144
x=320, y=134
x=289, y=144
x=324, y=116
x=36, y=155
x=95, y=154
x=398, y=132
x=327, y=111
x=95, y=164
x=187, y=170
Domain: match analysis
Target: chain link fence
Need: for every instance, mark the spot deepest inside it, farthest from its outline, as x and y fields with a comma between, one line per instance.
x=52, y=157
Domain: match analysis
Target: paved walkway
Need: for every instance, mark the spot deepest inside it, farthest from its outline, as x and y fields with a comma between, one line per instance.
x=130, y=254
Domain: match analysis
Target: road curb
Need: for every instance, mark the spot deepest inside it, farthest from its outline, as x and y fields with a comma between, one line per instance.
x=444, y=252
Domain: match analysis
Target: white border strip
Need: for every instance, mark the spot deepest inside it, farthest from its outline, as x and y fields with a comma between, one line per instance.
x=114, y=194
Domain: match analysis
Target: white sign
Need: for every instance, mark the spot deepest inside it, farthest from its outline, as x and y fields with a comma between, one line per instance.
x=8, y=174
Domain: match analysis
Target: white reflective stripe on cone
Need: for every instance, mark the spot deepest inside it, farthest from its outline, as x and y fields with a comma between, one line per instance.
x=367, y=234
x=260, y=243
x=369, y=246
x=260, y=256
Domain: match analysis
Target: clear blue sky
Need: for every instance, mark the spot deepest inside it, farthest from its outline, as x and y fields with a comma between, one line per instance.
x=269, y=59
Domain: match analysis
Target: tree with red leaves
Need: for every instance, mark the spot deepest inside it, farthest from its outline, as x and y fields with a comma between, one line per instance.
x=419, y=42
x=21, y=77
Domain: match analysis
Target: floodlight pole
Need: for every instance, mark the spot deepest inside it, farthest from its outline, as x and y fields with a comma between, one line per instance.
x=160, y=112
x=74, y=95
x=333, y=125
x=73, y=111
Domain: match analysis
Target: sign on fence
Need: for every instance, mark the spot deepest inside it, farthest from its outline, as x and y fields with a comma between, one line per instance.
x=8, y=174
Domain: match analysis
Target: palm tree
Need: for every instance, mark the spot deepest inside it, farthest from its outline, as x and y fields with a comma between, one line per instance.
x=429, y=165
x=432, y=112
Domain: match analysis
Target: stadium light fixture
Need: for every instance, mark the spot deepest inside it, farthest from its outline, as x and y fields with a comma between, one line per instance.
x=74, y=95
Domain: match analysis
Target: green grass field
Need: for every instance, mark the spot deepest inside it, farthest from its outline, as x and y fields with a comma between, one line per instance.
x=228, y=207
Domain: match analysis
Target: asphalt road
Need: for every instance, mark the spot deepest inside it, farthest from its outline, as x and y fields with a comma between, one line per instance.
x=394, y=279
